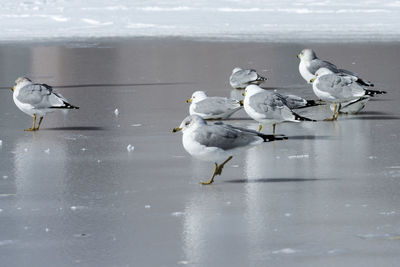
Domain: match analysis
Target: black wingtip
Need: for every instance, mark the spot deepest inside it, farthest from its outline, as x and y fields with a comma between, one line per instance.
x=374, y=92
x=271, y=137
x=313, y=103
x=365, y=83
x=297, y=117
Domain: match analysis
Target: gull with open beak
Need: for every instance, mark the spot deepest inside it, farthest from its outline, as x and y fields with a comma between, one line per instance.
x=218, y=142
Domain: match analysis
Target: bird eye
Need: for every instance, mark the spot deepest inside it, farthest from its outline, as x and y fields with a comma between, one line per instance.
x=187, y=123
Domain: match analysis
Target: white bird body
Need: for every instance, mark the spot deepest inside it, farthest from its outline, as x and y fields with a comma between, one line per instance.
x=334, y=88
x=212, y=107
x=240, y=78
x=218, y=141
x=304, y=70
x=37, y=99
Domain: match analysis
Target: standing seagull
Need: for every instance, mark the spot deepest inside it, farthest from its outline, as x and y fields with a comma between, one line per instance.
x=37, y=99
x=338, y=89
x=310, y=63
x=216, y=142
x=212, y=108
x=268, y=107
x=240, y=78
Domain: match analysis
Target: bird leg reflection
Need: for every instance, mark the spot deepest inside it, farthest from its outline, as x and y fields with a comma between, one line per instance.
x=217, y=171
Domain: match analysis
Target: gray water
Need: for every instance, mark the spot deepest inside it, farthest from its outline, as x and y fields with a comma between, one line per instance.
x=72, y=194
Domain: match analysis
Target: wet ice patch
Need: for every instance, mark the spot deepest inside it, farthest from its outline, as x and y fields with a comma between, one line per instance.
x=373, y=236
x=285, y=251
x=388, y=213
x=74, y=208
x=305, y=156
x=178, y=214
x=6, y=242
x=130, y=148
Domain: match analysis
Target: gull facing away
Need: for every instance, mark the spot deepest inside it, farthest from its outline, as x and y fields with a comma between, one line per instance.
x=268, y=107
x=240, y=78
x=37, y=99
x=337, y=89
x=218, y=141
x=310, y=63
x=212, y=108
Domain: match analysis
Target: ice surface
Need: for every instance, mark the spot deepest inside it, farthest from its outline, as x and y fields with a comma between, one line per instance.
x=260, y=20
x=239, y=220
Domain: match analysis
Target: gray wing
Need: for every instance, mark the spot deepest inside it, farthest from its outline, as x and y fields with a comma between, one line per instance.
x=317, y=63
x=224, y=136
x=265, y=101
x=216, y=105
x=34, y=93
x=340, y=86
x=294, y=101
x=42, y=96
x=347, y=72
x=272, y=105
x=244, y=77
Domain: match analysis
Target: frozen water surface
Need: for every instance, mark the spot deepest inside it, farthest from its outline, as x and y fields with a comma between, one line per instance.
x=328, y=196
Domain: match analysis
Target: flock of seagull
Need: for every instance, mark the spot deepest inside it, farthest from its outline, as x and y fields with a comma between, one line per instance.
x=344, y=90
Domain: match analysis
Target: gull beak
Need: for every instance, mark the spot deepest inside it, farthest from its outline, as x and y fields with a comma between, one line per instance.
x=189, y=100
x=12, y=89
x=298, y=56
x=312, y=80
x=244, y=93
x=177, y=129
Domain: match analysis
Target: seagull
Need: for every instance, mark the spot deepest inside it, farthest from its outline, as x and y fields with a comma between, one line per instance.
x=297, y=102
x=338, y=89
x=212, y=108
x=240, y=78
x=218, y=141
x=268, y=107
x=37, y=99
x=310, y=63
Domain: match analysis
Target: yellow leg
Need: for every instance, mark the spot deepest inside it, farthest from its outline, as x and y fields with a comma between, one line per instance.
x=33, y=126
x=334, y=114
x=217, y=171
x=273, y=128
x=40, y=121
x=338, y=111
x=259, y=127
